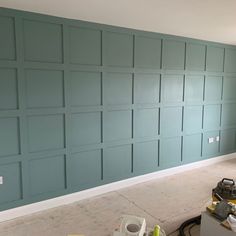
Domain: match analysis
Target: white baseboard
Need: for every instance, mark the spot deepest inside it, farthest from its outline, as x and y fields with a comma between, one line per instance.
x=74, y=197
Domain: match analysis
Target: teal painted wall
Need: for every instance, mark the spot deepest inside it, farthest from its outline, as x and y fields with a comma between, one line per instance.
x=85, y=104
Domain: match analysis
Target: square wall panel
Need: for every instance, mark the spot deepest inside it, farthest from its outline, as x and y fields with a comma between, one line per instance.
x=7, y=39
x=86, y=168
x=145, y=157
x=117, y=162
x=46, y=132
x=9, y=136
x=230, y=60
x=11, y=190
x=118, y=49
x=42, y=41
x=213, y=88
x=85, y=88
x=146, y=122
x=229, y=89
x=192, y=148
x=85, y=46
x=211, y=118
x=47, y=175
x=193, y=119
x=172, y=90
x=118, y=89
x=147, y=52
x=8, y=89
x=227, y=141
x=171, y=121
x=229, y=114
x=173, y=55
x=215, y=59
x=195, y=57
x=210, y=149
x=86, y=128
x=44, y=88
x=118, y=125
x=194, y=88
x=170, y=153
x=146, y=88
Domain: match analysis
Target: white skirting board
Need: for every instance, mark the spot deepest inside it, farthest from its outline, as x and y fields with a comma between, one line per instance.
x=74, y=197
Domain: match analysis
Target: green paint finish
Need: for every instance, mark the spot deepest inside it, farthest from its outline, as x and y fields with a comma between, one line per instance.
x=118, y=125
x=47, y=175
x=229, y=89
x=210, y=149
x=227, y=141
x=147, y=52
x=118, y=89
x=195, y=57
x=145, y=157
x=85, y=46
x=118, y=49
x=86, y=177
x=173, y=55
x=11, y=177
x=211, y=119
x=7, y=39
x=193, y=119
x=172, y=88
x=229, y=114
x=44, y=88
x=83, y=104
x=230, y=60
x=192, y=145
x=194, y=88
x=45, y=132
x=9, y=137
x=146, y=121
x=170, y=153
x=8, y=89
x=213, y=88
x=43, y=41
x=147, y=87
x=85, y=89
x=86, y=128
x=171, y=121
x=215, y=59
x=117, y=162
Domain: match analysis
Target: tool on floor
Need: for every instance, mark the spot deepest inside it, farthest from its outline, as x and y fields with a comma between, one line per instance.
x=156, y=231
x=136, y=226
x=223, y=206
x=232, y=222
x=226, y=189
x=131, y=226
x=223, y=199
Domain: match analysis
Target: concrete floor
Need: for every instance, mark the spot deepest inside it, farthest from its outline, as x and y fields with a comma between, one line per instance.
x=166, y=201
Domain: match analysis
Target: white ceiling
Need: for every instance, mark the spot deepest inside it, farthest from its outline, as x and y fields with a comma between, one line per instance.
x=213, y=20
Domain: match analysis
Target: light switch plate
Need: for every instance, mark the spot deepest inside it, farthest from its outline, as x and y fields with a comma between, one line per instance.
x=1, y=179
x=217, y=138
x=211, y=140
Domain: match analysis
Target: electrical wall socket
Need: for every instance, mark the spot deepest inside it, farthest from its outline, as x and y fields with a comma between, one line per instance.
x=217, y=138
x=1, y=179
x=211, y=140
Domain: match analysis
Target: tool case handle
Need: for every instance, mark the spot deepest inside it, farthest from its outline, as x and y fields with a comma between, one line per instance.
x=228, y=180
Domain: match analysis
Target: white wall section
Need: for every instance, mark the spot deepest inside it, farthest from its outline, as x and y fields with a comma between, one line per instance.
x=213, y=20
